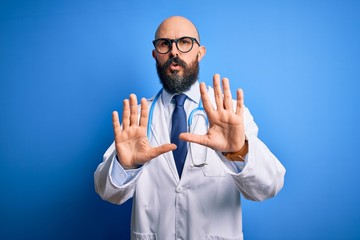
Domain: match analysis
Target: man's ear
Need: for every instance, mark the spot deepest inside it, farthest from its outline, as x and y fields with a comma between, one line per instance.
x=201, y=53
x=154, y=54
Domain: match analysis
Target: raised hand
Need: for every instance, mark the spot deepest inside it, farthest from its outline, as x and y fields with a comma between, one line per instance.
x=132, y=145
x=226, y=131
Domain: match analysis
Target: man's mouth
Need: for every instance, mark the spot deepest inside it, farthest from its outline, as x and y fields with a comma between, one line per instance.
x=174, y=66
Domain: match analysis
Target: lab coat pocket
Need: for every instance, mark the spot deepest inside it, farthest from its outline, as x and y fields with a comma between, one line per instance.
x=143, y=236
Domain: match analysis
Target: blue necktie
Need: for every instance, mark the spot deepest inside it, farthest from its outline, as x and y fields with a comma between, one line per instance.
x=179, y=126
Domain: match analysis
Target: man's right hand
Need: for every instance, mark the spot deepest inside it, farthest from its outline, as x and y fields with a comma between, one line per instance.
x=132, y=145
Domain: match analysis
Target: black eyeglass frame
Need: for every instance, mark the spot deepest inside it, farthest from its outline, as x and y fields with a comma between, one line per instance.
x=171, y=41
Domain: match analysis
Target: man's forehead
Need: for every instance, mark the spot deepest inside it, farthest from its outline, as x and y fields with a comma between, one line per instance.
x=174, y=34
x=176, y=27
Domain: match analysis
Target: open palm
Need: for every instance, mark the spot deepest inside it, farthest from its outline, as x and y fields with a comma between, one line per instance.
x=226, y=131
x=132, y=145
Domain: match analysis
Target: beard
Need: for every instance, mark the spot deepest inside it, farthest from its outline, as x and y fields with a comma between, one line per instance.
x=174, y=83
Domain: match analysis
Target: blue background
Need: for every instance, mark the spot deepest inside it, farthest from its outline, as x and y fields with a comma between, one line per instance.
x=66, y=65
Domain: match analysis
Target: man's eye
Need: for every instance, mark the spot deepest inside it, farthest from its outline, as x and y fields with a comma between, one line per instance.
x=185, y=41
x=164, y=43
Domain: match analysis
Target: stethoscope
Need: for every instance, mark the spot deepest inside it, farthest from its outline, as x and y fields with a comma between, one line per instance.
x=190, y=120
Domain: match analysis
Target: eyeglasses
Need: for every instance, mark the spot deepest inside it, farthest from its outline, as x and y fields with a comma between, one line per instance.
x=183, y=44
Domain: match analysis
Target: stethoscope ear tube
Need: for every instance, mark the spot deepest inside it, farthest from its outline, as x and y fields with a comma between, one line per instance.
x=151, y=113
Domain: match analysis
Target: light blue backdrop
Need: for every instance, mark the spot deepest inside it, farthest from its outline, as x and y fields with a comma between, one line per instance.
x=66, y=65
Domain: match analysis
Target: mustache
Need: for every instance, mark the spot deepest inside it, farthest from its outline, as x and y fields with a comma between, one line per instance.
x=176, y=60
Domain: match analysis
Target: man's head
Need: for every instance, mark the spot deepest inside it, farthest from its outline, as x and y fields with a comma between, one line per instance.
x=178, y=68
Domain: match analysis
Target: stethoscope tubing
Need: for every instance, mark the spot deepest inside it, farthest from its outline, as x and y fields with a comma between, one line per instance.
x=151, y=113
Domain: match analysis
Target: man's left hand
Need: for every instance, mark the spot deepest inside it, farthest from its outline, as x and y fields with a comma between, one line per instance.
x=226, y=128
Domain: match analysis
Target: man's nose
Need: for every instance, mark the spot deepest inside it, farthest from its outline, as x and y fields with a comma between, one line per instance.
x=174, y=51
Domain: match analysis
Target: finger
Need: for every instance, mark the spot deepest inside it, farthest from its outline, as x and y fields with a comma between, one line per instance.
x=133, y=110
x=208, y=107
x=116, y=123
x=239, y=101
x=126, y=114
x=218, y=92
x=195, y=138
x=144, y=113
x=228, y=104
x=162, y=149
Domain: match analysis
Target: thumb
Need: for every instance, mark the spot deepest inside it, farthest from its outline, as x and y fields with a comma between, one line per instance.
x=162, y=149
x=195, y=138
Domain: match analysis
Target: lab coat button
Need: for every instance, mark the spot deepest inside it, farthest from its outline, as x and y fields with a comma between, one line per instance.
x=179, y=190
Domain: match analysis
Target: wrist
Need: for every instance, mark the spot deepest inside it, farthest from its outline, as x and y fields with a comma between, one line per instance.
x=239, y=155
x=127, y=167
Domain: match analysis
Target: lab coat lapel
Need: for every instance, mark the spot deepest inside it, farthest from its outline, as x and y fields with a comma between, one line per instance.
x=197, y=153
x=160, y=135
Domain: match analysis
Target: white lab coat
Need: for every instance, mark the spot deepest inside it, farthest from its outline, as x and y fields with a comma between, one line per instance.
x=205, y=203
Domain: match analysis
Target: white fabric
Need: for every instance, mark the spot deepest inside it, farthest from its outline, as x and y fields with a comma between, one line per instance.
x=205, y=203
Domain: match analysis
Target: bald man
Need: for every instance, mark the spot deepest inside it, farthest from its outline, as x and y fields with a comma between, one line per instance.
x=184, y=167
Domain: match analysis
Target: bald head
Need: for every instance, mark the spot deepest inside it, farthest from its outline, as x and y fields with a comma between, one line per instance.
x=176, y=27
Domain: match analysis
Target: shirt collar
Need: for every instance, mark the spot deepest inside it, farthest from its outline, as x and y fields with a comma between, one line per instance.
x=193, y=94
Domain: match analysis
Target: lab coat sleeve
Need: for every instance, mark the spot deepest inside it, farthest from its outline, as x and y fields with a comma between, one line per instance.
x=121, y=176
x=263, y=175
x=114, y=190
